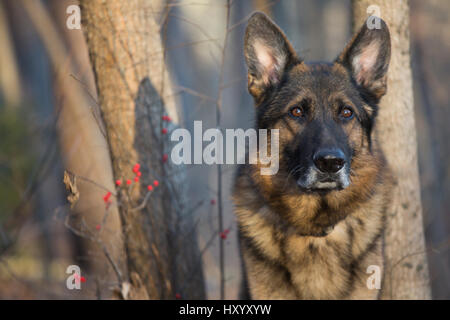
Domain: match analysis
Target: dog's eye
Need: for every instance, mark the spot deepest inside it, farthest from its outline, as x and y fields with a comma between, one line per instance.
x=297, y=112
x=346, y=113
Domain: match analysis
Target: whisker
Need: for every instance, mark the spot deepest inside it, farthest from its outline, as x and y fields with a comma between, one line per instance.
x=296, y=169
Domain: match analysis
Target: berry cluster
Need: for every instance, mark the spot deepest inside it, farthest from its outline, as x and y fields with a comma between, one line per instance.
x=223, y=235
x=138, y=174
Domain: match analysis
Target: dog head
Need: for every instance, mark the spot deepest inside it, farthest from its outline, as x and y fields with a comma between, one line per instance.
x=324, y=111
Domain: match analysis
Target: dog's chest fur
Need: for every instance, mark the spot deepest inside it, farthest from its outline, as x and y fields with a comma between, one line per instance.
x=282, y=264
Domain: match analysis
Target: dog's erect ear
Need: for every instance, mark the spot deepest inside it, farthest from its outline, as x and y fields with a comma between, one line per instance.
x=268, y=54
x=367, y=57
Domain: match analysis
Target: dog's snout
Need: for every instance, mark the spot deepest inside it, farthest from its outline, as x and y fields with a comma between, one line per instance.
x=329, y=160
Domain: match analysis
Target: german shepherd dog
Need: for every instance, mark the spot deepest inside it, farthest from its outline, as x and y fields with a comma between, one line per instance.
x=311, y=230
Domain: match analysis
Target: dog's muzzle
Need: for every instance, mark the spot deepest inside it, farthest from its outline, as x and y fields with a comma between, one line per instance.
x=316, y=180
x=329, y=171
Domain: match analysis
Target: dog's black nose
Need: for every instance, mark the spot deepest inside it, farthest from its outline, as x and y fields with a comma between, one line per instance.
x=329, y=160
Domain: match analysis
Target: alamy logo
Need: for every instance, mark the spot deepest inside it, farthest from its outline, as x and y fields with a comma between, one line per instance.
x=74, y=18
x=74, y=280
x=235, y=139
x=374, y=22
x=374, y=281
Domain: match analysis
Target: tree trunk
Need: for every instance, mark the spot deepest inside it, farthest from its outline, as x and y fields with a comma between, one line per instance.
x=263, y=5
x=406, y=274
x=134, y=93
x=9, y=74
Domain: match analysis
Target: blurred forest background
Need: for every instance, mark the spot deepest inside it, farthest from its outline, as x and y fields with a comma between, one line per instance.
x=50, y=120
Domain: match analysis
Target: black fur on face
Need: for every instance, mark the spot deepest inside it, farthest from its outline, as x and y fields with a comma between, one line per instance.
x=325, y=111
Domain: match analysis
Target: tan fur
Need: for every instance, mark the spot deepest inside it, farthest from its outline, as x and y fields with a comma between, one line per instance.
x=284, y=263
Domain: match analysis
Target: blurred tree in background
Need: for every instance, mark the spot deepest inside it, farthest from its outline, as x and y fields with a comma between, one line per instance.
x=14, y=144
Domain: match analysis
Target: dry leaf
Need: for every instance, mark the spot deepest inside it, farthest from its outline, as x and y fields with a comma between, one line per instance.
x=70, y=181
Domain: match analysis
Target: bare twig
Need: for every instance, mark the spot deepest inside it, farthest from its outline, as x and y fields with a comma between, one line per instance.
x=99, y=121
x=219, y=166
x=97, y=240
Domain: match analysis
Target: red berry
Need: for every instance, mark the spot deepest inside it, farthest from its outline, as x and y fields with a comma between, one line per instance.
x=106, y=197
x=83, y=279
x=149, y=188
x=223, y=235
x=177, y=296
x=139, y=173
x=168, y=118
x=118, y=182
x=156, y=183
x=213, y=201
x=165, y=157
x=136, y=167
x=128, y=182
x=97, y=227
x=164, y=131
x=136, y=179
